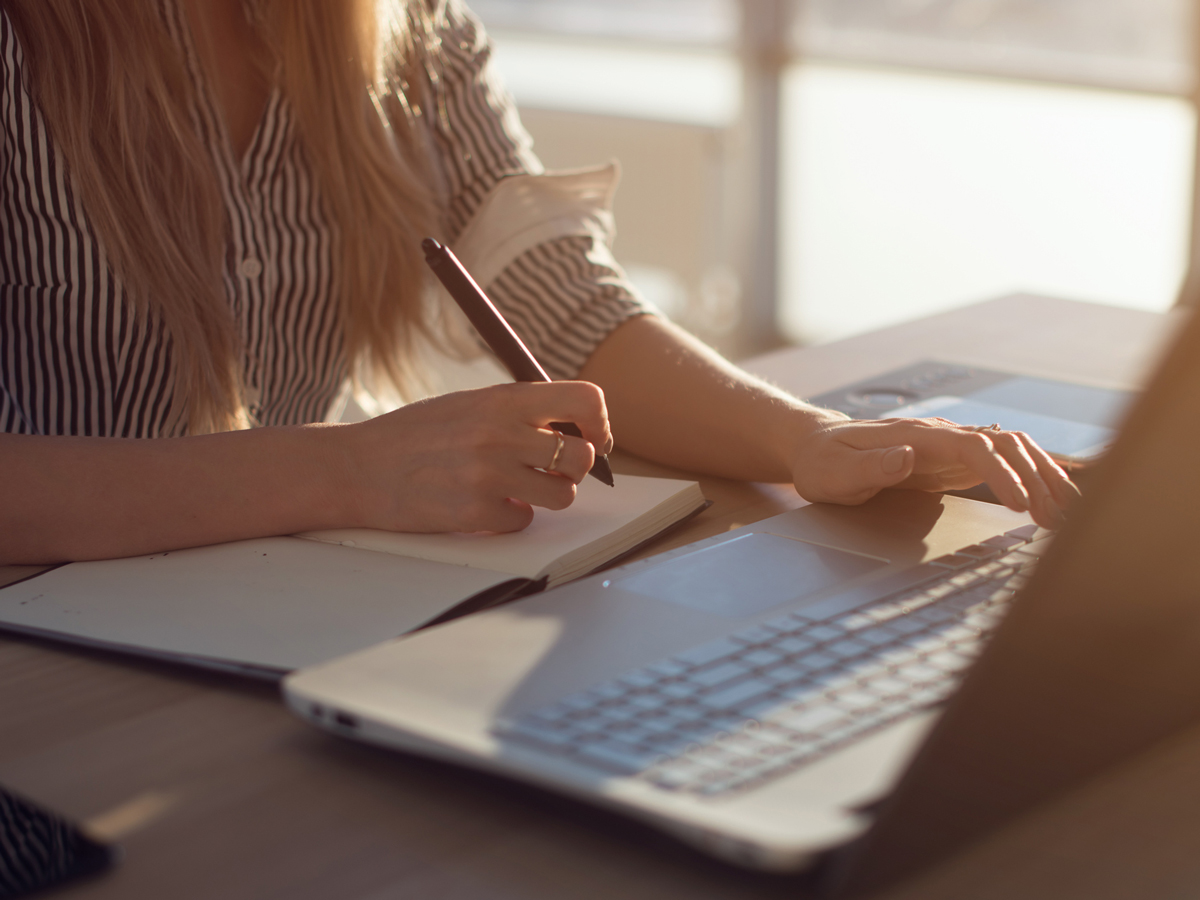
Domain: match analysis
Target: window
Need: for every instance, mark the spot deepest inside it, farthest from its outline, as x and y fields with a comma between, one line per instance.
x=933, y=152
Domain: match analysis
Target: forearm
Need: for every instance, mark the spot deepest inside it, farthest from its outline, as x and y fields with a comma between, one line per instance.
x=468, y=461
x=74, y=498
x=674, y=400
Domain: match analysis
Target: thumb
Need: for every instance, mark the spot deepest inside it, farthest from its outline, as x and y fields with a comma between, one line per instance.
x=894, y=464
x=874, y=470
x=854, y=476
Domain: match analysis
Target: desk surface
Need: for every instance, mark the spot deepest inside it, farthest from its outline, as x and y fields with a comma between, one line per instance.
x=219, y=792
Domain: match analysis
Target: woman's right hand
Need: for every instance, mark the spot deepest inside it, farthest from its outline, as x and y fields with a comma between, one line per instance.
x=473, y=460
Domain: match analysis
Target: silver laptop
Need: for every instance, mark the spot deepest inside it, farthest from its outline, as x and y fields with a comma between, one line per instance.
x=811, y=688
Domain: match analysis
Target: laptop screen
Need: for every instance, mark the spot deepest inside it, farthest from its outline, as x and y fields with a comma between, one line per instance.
x=1098, y=660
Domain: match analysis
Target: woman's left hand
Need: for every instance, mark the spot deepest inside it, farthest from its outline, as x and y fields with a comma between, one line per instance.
x=848, y=461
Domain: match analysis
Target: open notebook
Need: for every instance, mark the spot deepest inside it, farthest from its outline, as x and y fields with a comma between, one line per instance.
x=559, y=546
x=271, y=605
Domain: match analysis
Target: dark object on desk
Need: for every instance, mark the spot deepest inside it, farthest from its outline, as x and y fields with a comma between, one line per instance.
x=496, y=332
x=1096, y=664
x=1074, y=422
x=657, y=690
x=40, y=849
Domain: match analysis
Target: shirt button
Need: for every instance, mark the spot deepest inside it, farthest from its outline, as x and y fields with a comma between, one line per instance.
x=250, y=267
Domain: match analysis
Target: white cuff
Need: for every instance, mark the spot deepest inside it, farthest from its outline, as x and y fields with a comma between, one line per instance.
x=523, y=211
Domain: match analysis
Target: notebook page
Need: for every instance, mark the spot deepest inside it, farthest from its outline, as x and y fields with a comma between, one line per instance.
x=274, y=602
x=597, y=512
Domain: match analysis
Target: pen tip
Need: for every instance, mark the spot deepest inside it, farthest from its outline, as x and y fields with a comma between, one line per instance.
x=602, y=471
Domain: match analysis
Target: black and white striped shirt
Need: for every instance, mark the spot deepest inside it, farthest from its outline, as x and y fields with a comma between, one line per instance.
x=74, y=359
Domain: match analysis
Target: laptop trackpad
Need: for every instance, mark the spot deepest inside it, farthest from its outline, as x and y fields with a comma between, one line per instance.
x=748, y=575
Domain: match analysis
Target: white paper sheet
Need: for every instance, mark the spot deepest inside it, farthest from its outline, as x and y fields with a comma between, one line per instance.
x=276, y=602
x=598, y=512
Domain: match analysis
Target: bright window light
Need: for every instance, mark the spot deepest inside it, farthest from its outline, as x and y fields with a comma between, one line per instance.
x=906, y=194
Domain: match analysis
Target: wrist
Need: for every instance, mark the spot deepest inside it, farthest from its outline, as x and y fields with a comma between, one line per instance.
x=330, y=483
x=804, y=424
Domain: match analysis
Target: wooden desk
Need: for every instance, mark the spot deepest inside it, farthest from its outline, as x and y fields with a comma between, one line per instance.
x=220, y=793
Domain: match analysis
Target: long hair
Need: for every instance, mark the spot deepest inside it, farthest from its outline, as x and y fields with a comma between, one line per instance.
x=115, y=96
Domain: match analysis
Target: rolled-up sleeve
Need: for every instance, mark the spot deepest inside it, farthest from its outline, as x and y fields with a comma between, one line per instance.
x=538, y=242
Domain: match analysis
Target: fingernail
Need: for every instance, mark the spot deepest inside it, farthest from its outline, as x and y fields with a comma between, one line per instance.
x=894, y=460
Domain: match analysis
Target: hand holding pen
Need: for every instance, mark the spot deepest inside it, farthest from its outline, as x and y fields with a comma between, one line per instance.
x=500, y=337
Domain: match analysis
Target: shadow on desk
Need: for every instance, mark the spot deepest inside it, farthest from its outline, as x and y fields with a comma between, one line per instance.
x=268, y=807
x=262, y=806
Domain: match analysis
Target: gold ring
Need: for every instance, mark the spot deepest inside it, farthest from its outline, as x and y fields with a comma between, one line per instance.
x=557, y=452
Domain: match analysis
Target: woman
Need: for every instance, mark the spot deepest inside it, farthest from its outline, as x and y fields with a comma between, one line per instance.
x=211, y=219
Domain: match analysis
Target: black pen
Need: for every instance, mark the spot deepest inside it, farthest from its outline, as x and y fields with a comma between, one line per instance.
x=497, y=333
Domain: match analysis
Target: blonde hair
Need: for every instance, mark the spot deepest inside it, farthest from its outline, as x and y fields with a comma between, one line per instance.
x=353, y=71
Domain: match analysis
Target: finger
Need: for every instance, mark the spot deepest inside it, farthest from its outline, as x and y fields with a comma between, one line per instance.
x=881, y=468
x=510, y=492
x=579, y=402
x=854, y=476
x=548, y=490
x=502, y=515
x=1061, y=486
x=561, y=454
x=979, y=454
x=508, y=503
x=1042, y=505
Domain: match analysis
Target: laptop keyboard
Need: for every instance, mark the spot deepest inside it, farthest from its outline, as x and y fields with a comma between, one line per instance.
x=758, y=703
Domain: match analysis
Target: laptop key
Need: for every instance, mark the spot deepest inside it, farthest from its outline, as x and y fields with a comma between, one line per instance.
x=623, y=713
x=959, y=632
x=787, y=674
x=948, y=661
x=824, y=632
x=648, y=701
x=919, y=673
x=691, y=722
x=576, y=702
x=740, y=694
x=808, y=720
x=953, y=561
x=854, y=700
x=610, y=690
x=877, y=637
x=556, y=713
x=1024, y=533
x=848, y=648
x=762, y=656
x=759, y=634
x=715, y=675
x=639, y=679
x=818, y=660
x=681, y=774
x=618, y=757
x=888, y=686
x=905, y=625
x=710, y=652
x=793, y=644
x=680, y=690
x=978, y=551
x=965, y=579
x=1002, y=542
x=667, y=668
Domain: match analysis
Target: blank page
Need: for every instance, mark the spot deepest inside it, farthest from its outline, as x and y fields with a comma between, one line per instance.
x=598, y=511
x=279, y=603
